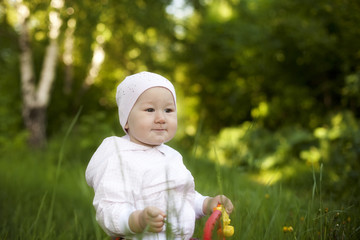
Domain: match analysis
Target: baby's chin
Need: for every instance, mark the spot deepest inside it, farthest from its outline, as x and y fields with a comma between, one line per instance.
x=150, y=143
x=159, y=140
x=156, y=143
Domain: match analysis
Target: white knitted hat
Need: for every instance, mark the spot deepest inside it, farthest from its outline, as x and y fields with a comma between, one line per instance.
x=129, y=90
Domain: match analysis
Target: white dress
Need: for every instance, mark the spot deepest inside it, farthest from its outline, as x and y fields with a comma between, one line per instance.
x=127, y=176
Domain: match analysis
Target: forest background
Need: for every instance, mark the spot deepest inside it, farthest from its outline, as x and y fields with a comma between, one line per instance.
x=269, y=88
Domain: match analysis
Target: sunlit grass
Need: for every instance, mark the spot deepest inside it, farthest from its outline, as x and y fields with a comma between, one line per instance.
x=44, y=196
x=275, y=210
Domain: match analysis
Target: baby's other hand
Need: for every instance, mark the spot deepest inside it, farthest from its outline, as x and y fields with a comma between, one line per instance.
x=154, y=218
x=212, y=202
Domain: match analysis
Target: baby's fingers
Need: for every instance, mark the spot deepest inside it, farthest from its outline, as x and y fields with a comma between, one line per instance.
x=229, y=207
x=156, y=224
x=154, y=212
x=155, y=219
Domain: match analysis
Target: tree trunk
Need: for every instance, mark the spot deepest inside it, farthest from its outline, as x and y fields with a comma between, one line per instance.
x=36, y=99
x=35, y=122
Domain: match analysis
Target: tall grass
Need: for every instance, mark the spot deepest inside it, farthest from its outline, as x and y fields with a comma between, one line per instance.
x=278, y=211
x=41, y=198
x=44, y=196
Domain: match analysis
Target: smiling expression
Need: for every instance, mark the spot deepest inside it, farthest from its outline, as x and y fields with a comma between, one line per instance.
x=153, y=119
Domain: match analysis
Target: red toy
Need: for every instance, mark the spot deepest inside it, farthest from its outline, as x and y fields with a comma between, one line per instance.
x=220, y=218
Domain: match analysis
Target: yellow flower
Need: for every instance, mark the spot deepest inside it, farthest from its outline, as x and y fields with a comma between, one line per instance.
x=267, y=196
x=288, y=229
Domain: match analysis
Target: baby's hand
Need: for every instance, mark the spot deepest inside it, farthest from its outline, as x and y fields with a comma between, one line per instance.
x=211, y=203
x=153, y=217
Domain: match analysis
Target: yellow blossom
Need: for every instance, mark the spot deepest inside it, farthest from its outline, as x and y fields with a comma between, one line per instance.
x=288, y=229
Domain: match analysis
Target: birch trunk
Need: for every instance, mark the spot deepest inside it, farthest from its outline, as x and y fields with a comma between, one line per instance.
x=36, y=98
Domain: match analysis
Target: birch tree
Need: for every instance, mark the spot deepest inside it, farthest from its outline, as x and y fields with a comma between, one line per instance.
x=36, y=94
x=75, y=37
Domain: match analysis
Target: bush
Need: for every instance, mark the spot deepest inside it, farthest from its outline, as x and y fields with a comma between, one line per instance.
x=255, y=148
x=339, y=146
x=336, y=145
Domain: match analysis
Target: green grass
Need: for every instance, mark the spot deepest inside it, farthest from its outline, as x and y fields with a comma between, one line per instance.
x=36, y=205
x=44, y=196
x=263, y=210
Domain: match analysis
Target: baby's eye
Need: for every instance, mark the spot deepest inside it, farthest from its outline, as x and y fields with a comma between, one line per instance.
x=169, y=110
x=149, y=110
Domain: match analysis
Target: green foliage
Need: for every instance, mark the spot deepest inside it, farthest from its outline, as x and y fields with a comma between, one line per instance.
x=335, y=144
x=254, y=147
x=10, y=97
x=339, y=147
x=134, y=34
x=294, y=56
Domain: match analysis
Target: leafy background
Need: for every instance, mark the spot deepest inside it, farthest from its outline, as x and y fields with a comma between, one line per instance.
x=269, y=94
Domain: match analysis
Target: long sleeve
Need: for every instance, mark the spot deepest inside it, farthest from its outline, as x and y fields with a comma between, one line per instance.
x=199, y=201
x=111, y=201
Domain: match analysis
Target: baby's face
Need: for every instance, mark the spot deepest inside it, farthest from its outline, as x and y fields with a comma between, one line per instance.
x=153, y=119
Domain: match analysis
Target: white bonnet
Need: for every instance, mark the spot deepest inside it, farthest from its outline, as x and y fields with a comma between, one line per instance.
x=129, y=90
